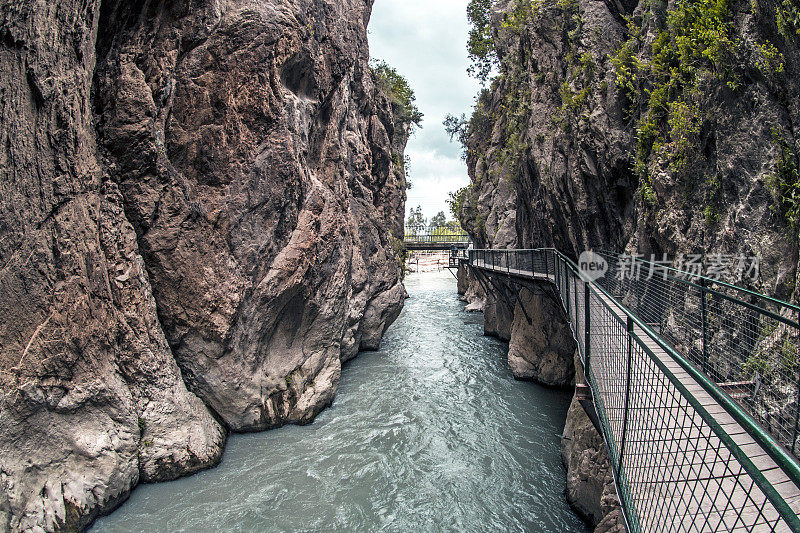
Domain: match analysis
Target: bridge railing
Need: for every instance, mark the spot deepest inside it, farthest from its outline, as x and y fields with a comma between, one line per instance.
x=745, y=342
x=435, y=235
x=671, y=458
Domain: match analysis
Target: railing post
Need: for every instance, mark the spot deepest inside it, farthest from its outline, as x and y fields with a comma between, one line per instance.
x=638, y=288
x=704, y=320
x=587, y=317
x=557, y=267
x=629, y=328
x=546, y=265
x=577, y=309
x=555, y=273
x=797, y=411
x=796, y=414
x=566, y=291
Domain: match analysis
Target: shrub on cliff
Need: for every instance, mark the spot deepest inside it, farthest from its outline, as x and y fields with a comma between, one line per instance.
x=399, y=92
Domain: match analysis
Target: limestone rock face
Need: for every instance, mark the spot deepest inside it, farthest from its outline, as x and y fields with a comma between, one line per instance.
x=498, y=313
x=263, y=191
x=198, y=204
x=553, y=146
x=590, y=484
x=541, y=348
x=463, y=282
x=91, y=398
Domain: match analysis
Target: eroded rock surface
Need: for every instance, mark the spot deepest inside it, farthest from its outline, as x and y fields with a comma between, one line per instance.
x=590, y=484
x=552, y=146
x=498, y=312
x=198, y=204
x=541, y=346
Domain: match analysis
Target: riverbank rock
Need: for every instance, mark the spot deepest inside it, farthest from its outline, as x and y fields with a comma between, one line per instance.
x=474, y=293
x=498, y=313
x=461, y=277
x=590, y=483
x=199, y=205
x=541, y=348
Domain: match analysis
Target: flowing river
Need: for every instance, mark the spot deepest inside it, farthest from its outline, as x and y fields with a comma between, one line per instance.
x=430, y=433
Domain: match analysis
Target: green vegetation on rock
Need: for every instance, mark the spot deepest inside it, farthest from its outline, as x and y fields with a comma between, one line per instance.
x=784, y=183
x=480, y=46
x=457, y=199
x=787, y=17
x=664, y=78
x=399, y=92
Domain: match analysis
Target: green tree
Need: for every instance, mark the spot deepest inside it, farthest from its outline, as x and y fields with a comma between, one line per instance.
x=456, y=200
x=456, y=127
x=399, y=92
x=438, y=220
x=480, y=46
x=415, y=218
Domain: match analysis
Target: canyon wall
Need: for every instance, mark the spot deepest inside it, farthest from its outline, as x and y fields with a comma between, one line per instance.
x=602, y=132
x=656, y=127
x=200, y=200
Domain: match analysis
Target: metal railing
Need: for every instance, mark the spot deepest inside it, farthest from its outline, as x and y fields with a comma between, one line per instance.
x=745, y=342
x=435, y=235
x=646, y=344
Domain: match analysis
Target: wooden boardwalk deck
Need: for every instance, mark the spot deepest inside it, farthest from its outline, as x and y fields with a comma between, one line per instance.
x=673, y=458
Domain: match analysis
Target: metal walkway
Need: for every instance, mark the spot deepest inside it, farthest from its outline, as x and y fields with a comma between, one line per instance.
x=685, y=455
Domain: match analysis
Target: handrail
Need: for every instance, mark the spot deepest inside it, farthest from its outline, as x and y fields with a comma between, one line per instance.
x=770, y=299
x=781, y=457
x=778, y=454
x=774, y=497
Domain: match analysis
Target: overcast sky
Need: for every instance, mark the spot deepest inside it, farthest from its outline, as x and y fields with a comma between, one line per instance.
x=425, y=40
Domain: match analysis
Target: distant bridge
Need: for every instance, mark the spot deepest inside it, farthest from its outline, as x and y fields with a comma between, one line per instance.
x=693, y=383
x=435, y=238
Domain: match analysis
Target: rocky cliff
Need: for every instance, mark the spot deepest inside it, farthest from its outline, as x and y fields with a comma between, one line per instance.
x=659, y=127
x=606, y=129
x=199, y=204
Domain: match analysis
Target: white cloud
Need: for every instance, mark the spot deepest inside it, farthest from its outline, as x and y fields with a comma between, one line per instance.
x=433, y=176
x=425, y=40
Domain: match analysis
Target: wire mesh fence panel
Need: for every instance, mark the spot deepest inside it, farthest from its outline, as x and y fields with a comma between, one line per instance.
x=580, y=315
x=745, y=342
x=435, y=234
x=607, y=374
x=675, y=466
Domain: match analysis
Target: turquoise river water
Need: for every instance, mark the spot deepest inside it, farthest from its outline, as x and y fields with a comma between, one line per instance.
x=430, y=433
